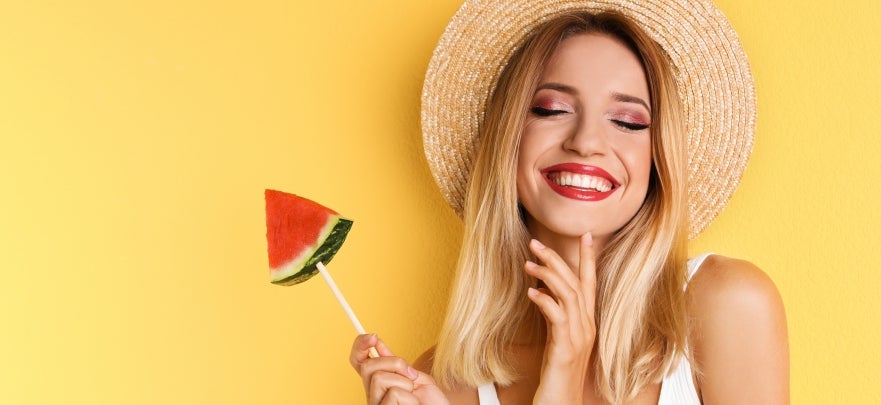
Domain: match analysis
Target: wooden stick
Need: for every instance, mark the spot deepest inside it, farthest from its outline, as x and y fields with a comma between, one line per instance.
x=344, y=303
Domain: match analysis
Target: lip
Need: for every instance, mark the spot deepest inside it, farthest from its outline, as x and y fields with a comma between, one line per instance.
x=577, y=193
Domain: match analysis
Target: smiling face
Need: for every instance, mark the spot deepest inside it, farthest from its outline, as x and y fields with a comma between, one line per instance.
x=584, y=162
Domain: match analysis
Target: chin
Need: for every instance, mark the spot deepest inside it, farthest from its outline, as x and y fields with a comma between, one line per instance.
x=568, y=228
x=575, y=231
x=572, y=222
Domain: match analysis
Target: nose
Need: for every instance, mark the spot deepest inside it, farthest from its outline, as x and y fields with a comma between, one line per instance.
x=587, y=138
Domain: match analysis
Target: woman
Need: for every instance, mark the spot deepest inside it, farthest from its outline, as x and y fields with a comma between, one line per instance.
x=569, y=286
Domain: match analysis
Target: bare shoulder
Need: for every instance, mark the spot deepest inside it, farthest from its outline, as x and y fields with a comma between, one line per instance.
x=724, y=280
x=459, y=395
x=727, y=294
x=738, y=333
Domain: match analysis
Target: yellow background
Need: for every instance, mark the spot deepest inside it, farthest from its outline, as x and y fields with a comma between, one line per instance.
x=136, y=139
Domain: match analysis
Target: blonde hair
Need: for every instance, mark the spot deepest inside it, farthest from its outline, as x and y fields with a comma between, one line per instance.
x=641, y=272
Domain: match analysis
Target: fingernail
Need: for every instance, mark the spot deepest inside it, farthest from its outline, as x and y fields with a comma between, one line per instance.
x=589, y=239
x=532, y=292
x=536, y=244
x=412, y=372
x=530, y=265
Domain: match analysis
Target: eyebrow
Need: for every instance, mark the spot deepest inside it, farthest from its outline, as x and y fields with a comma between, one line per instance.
x=626, y=98
x=621, y=97
x=558, y=87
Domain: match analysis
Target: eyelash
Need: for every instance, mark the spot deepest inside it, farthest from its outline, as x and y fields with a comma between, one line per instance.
x=544, y=112
x=629, y=125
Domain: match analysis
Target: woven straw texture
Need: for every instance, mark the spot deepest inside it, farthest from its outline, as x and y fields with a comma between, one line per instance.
x=710, y=66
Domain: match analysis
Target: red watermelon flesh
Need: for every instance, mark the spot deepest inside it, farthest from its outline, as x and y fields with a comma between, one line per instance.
x=299, y=234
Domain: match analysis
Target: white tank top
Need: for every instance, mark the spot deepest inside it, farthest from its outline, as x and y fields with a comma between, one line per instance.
x=677, y=388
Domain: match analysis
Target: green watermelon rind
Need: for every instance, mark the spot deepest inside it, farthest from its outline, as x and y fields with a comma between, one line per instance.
x=304, y=267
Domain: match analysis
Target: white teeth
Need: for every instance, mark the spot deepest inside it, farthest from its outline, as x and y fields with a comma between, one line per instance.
x=581, y=181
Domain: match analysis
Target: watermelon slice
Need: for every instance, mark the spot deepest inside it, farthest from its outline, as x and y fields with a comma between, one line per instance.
x=300, y=233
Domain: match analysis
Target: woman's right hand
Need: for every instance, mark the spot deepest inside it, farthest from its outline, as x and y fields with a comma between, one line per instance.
x=390, y=380
x=568, y=305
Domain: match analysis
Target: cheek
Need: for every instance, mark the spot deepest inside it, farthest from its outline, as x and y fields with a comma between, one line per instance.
x=536, y=141
x=638, y=159
x=525, y=162
x=527, y=155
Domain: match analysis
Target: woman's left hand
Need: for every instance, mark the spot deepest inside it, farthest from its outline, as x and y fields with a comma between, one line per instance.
x=389, y=379
x=568, y=305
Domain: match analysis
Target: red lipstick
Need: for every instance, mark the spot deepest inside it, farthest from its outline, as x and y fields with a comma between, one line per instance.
x=578, y=193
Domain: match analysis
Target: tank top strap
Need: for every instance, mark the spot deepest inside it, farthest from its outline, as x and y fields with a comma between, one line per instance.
x=678, y=388
x=487, y=395
x=694, y=264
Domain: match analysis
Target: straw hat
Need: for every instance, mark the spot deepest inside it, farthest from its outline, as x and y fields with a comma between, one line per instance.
x=710, y=66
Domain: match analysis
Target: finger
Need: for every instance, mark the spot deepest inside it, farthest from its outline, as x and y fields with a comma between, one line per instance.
x=552, y=311
x=361, y=349
x=394, y=365
x=427, y=391
x=423, y=379
x=566, y=292
x=588, y=278
x=588, y=271
x=560, y=336
x=397, y=396
x=552, y=260
x=385, y=387
x=564, y=310
x=383, y=349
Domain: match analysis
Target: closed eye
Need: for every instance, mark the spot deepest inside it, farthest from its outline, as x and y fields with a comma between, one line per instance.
x=630, y=125
x=544, y=112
